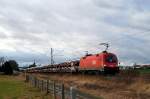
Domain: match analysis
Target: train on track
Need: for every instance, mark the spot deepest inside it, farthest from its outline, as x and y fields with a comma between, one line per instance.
x=105, y=62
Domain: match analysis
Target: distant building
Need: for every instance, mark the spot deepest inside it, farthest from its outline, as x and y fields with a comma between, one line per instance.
x=142, y=66
x=125, y=67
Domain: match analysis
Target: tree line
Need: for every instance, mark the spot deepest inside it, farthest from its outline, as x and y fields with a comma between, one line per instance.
x=7, y=67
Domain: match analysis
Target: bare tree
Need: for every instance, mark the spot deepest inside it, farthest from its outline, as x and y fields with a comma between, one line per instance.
x=2, y=61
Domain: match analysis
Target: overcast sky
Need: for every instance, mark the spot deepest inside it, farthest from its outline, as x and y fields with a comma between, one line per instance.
x=29, y=28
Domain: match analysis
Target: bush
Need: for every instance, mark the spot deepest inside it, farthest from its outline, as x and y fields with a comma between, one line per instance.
x=7, y=69
x=14, y=65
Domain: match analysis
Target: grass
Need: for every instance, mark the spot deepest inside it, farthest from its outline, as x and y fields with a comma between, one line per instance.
x=128, y=84
x=13, y=88
x=144, y=71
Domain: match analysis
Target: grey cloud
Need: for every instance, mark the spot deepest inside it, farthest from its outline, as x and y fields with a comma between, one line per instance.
x=75, y=26
x=2, y=35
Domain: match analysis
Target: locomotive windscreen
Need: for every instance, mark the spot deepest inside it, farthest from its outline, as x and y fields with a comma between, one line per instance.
x=111, y=59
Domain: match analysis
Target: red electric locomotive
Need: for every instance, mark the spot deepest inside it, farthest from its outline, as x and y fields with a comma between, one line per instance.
x=104, y=61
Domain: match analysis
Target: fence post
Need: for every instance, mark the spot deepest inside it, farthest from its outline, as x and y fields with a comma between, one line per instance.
x=62, y=91
x=38, y=83
x=42, y=85
x=34, y=81
x=30, y=80
x=47, y=86
x=54, y=91
x=27, y=78
x=72, y=93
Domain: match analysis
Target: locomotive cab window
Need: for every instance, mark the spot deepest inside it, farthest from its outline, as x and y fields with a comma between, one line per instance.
x=111, y=59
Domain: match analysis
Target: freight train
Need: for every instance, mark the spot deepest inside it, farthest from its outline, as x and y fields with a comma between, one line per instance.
x=105, y=62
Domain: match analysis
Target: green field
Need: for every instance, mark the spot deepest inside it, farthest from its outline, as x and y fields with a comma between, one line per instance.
x=12, y=87
x=144, y=71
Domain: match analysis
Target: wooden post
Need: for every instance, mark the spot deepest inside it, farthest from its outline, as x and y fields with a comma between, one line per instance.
x=31, y=81
x=25, y=74
x=38, y=83
x=47, y=87
x=27, y=78
x=42, y=85
x=62, y=91
x=72, y=93
x=54, y=91
x=34, y=81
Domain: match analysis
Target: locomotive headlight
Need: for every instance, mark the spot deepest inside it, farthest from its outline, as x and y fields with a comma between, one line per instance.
x=104, y=65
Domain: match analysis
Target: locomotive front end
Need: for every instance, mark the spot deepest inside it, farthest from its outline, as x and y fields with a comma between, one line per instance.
x=110, y=63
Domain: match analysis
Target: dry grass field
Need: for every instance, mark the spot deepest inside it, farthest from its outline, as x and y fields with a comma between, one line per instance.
x=122, y=86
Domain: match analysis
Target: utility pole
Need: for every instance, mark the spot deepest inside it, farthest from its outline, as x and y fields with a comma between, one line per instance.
x=52, y=61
